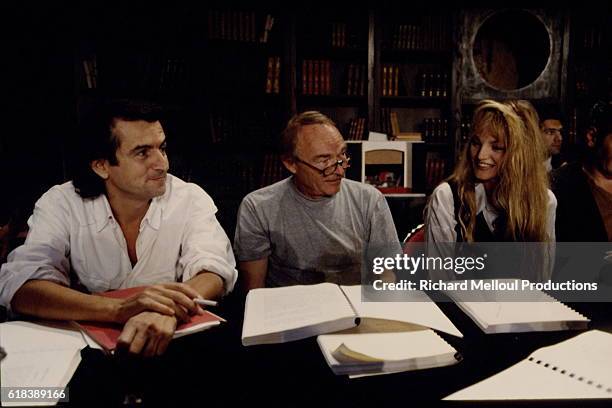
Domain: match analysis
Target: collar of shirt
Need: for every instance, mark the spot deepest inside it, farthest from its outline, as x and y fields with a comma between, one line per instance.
x=489, y=213
x=104, y=215
x=310, y=201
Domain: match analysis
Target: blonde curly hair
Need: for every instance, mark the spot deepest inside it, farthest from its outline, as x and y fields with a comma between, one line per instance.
x=520, y=194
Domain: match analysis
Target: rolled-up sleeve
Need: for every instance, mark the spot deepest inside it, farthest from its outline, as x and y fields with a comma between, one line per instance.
x=44, y=255
x=205, y=245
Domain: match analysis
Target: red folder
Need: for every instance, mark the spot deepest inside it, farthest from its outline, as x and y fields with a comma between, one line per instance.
x=106, y=334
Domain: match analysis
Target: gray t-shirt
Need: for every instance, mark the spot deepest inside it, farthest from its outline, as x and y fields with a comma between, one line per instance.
x=312, y=240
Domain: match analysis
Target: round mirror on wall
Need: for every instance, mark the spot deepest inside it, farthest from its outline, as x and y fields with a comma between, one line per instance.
x=511, y=49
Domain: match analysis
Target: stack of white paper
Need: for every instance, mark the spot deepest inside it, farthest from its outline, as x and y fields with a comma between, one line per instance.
x=383, y=353
x=38, y=356
x=541, y=313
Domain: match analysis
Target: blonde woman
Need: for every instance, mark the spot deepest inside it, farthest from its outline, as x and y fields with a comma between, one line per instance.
x=499, y=188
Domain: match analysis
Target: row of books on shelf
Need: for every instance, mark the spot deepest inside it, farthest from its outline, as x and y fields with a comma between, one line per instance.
x=339, y=37
x=430, y=33
x=273, y=75
x=356, y=129
x=141, y=72
x=435, y=170
x=398, y=79
x=232, y=125
x=246, y=26
x=385, y=121
x=433, y=85
x=593, y=37
x=272, y=170
x=390, y=80
x=90, y=71
x=316, y=77
x=174, y=74
x=465, y=130
x=435, y=130
x=238, y=177
x=356, y=79
x=235, y=177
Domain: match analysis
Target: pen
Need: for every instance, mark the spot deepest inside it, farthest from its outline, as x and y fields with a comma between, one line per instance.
x=205, y=302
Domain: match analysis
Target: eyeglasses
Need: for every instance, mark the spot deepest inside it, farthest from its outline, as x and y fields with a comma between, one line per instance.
x=329, y=170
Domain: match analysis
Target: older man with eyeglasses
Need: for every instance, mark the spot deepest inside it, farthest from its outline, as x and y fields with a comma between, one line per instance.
x=313, y=226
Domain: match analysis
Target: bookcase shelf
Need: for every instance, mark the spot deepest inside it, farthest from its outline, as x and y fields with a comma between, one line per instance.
x=590, y=73
x=413, y=87
x=415, y=101
x=333, y=100
x=236, y=91
x=332, y=68
x=335, y=53
x=422, y=56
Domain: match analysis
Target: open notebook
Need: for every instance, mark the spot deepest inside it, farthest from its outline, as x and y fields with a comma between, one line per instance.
x=580, y=367
x=383, y=353
x=541, y=313
x=277, y=315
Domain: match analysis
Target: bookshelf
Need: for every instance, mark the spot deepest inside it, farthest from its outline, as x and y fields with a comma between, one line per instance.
x=332, y=68
x=232, y=77
x=248, y=97
x=413, y=88
x=590, y=76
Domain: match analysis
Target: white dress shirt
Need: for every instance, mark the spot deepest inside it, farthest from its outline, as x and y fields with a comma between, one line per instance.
x=440, y=224
x=178, y=237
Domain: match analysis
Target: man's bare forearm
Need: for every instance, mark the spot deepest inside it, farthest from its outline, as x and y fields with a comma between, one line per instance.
x=208, y=284
x=49, y=300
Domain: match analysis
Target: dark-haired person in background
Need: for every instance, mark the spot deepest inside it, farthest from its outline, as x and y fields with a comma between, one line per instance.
x=584, y=189
x=552, y=132
x=122, y=222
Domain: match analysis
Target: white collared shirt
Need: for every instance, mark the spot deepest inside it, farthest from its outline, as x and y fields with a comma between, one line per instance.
x=441, y=222
x=440, y=225
x=178, y=237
